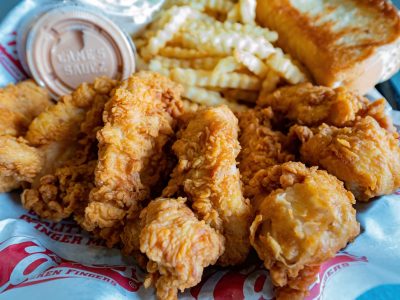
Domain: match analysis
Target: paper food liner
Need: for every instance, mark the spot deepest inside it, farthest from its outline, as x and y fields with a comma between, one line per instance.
x=45, y=260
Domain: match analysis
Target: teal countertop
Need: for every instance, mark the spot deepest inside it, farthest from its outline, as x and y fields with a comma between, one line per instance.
x=6, y=6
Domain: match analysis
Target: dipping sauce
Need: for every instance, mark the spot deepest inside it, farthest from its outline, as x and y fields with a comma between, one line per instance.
x=62, y=45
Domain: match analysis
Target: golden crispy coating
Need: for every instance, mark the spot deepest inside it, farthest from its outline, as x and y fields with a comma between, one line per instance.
x=64, y=188
x=56, y=131
x=310, y=105
x=19, y=105
x=377, y=110
x=178, y=246
x=62, y=122
x=62, y=193
x=18, y=162
x=111, y=235
x=301, y=224
x=12, y=123
x=365, y=156
x=130, y=236
x=57, y=123
x=297, y=288
x=207, y=174
x=261, y=146
x=139, y=121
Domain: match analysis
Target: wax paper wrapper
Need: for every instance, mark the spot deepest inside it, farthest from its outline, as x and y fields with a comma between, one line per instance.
x=45, y=260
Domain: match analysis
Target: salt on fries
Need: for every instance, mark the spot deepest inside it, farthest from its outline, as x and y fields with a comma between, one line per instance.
x=216, y=51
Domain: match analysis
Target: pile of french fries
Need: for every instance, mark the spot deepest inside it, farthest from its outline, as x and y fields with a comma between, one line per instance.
x=216, y=51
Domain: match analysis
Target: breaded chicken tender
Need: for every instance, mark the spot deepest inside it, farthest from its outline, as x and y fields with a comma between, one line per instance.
x=301, y=224
x=140, y=119
x=262, y=147
x=207, y=173
x=64, y=192
x=178, y=246
x=310, y=105
x=18, y=162
x=64, y=188
x=62, y=122
x=366, y=156
x=56, y=130
x=19, y=105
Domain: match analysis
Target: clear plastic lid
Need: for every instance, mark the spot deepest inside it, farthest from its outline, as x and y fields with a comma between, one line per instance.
x=132, y=15
x=130, y=8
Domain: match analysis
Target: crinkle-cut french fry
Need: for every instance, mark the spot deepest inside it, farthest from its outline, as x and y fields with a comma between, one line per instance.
x=243, y=95
x=141, y=64
x=139, y=43
x=227, y=65
x=177, y=52
x=244, y=70
x=157, y=24
x=234, y=14
x=285, y=67
x=167, y=32
x=193, y=4
x=231, y=27
x=162, y=19
x=270, y=83
x=145, y=54
x=200, y=37
x=222, y=6
x=203, y=96
x=252, y=62
x=185, y=42
x=255, y=31
x=175, y=42
x=248, y=11
x=209, y=79
x=179, y=41
x=148, y=34
x=199, y=16
x=168, y=63
x=225, y=43
x=207, y=63
x=156, y=66
x=190, y=106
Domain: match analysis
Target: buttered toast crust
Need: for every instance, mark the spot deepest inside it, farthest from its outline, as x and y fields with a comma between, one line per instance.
x=338, y=40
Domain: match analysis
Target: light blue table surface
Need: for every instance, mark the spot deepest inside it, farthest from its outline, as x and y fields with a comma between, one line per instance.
x=390, y=89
